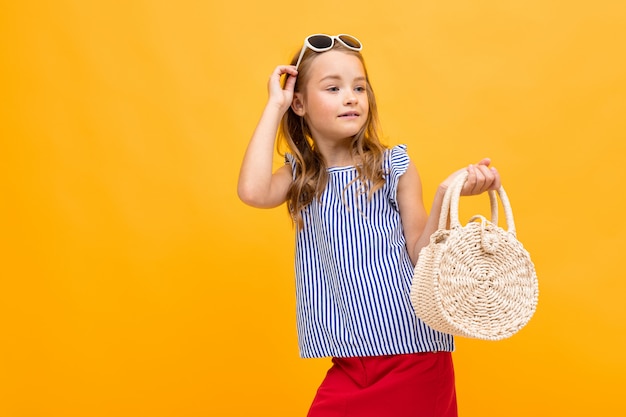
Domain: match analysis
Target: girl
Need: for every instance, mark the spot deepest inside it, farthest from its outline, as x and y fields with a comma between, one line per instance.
x=361, y=224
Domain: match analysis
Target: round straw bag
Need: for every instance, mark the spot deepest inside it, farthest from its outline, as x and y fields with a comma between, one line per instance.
x=476, y=280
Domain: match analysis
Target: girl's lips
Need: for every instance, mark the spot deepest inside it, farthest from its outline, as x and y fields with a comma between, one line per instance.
x=349, y=114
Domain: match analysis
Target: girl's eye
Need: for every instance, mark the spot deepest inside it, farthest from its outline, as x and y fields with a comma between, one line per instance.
x=360, y=89
x=333, y=89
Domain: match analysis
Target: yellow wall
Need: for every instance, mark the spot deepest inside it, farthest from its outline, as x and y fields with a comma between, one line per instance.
x=134, y=283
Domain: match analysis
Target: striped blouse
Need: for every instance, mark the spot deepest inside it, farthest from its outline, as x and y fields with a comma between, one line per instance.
x=353, y=272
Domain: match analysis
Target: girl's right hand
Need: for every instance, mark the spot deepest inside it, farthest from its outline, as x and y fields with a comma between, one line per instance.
x=278, y=95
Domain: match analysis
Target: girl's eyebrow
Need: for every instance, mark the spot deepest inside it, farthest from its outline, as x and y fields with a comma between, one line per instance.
x=338, y=77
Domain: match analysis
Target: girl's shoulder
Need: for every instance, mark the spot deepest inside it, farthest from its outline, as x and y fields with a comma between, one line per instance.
x=396, y=159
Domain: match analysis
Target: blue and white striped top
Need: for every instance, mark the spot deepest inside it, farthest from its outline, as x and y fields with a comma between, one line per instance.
x=353, y=272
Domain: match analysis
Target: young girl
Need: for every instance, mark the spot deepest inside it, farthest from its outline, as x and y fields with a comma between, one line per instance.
x=360, y=224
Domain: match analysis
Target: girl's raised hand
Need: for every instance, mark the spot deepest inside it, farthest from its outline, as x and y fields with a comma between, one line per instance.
x=279, y=95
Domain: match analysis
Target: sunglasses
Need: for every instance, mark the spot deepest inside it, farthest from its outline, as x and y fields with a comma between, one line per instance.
x=322, y=43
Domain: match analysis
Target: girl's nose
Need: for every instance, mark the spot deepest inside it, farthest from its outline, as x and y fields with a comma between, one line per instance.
x=350, y=97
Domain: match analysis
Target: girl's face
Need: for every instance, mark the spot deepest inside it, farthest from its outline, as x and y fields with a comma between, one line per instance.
x=334, y=100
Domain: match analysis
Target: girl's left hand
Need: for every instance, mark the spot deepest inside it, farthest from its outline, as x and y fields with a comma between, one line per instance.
x=481, y=178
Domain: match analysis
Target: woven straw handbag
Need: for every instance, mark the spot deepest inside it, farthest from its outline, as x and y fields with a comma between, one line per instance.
x=476, y=280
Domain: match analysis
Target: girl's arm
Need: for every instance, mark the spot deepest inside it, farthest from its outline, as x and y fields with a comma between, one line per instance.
x=417, y=225
x=257, y=185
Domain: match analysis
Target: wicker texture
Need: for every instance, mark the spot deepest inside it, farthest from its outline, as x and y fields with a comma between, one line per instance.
x=476, y=280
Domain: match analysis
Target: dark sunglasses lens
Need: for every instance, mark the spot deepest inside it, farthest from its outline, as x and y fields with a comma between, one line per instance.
x=321, y=41
x=350, y=41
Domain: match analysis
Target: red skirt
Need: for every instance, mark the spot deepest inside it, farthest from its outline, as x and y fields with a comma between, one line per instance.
x=411, y=385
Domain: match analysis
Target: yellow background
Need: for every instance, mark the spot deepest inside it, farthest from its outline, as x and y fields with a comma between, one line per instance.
x=133, y=281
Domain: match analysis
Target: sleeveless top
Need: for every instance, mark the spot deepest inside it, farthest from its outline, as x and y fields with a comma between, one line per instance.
x=353, y=272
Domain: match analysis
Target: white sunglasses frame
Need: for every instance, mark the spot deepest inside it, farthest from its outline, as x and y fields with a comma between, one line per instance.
x=307, y=44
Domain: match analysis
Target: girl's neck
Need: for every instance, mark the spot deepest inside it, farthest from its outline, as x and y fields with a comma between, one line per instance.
x=338, y=161
x=337, y=155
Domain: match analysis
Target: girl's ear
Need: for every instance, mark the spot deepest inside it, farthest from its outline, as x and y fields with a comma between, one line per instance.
x=297, y=104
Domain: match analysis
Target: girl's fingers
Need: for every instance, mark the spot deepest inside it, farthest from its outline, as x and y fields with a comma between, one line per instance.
x=492, y=176
x=481, y=178
x=285, y=69
x=470, y=183
x=497, y=183
x=280, y=70
x=485, y=161
x=485, y=178
x=274, y=83
x=290, y=83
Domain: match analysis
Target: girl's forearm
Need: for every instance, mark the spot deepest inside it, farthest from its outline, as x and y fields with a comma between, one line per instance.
x=432, y=223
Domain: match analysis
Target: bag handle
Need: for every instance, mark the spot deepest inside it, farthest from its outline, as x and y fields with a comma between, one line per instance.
x=455, y=187
x=450, y=205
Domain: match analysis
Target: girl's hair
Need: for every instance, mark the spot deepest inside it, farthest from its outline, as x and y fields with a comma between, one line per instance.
x=311, y=176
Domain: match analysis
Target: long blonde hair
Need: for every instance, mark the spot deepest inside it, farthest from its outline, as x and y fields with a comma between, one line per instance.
x=311, y=174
